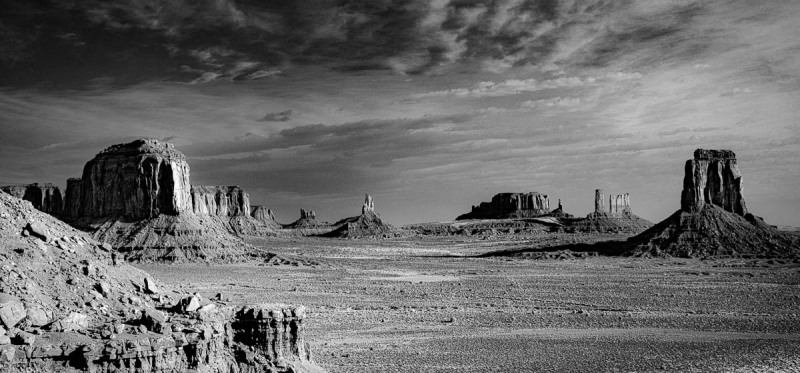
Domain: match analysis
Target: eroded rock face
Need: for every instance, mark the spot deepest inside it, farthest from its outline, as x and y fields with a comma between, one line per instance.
x=369, y=204
x=713, y=177
x=72, y=198
x=310, y=214
x=44, y=197
x=619, y=204
x=510, y=205
x=713, y=220
x=220, y=201
x=262, y=214
x=599, y=207
x=137, y=180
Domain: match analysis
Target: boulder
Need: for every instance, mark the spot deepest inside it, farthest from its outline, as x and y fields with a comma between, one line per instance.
x=12, y=311
x=150, y=286
x=39, y=230
x=73, y=322
x=37, y=316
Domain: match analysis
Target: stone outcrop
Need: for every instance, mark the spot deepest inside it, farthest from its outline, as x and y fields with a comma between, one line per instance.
x=619, y=204
x=220, y=201
x=137, y=180
x=713, y=177
x=44, y=197
x=599, y=207
x=72, y=198
x=369, y=204
x=264, y=215
x=617, y=218
x=80, y=309
x=310, y=214
x=368, y=224
x=510, y=205
x=137, y=196
x=713, y=220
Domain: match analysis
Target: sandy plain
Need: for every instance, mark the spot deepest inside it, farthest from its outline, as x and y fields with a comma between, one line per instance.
x=429, y=305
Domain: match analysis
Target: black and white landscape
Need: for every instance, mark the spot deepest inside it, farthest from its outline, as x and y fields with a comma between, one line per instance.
x=399, y=186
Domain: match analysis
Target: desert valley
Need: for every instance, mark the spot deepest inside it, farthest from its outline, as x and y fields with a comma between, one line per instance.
x=215, y=284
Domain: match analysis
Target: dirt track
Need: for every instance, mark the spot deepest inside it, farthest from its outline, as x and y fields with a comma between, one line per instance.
x=426, y=306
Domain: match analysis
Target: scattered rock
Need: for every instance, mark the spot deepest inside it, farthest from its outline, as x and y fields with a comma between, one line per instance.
x=12, y=311
x=73, y=322
x=39, y=230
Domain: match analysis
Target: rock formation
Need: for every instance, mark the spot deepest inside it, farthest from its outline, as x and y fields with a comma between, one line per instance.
x=68, y=304
x=619, y=204
x=220, y=201
x=137, y=180
x=369, y=204
x=368, y=224
x=307, y=214
x=713, y=220
x=713, y=177
x=137, y=196
x=619, y=217
x=263, y=215
x=510, y=205
x=599, y=208
x=44, y=197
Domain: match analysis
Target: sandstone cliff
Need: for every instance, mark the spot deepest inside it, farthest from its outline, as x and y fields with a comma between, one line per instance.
x=137, y=180
x=618, y=218
x=44, y=197
x=713, y=177
x=80, y=308
x=137, y=197
x=220, y=201
x=510, y=205
x=265, y=216
x=713, y=220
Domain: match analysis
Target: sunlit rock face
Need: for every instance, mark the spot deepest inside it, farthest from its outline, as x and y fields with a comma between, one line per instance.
x=220, y=201
x=137, y=180
x=713, y=178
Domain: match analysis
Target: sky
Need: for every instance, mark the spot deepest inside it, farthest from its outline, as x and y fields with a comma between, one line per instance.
x=431, y=106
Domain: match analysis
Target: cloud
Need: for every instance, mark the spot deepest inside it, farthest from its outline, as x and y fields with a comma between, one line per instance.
x=283, y=116
x=517, y=86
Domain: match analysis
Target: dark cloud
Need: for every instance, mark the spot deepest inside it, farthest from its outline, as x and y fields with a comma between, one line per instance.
x=283, y=116
x=68, y=44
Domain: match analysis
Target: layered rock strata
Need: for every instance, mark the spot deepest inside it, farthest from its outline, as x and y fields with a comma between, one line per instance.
x=510, y=205
x=137, y=196
x=220, y=201
x=44, y=197
x=713, y=177
x=713, y=220
x=68, y=304
x=264, y=215
x=137, y=180
x=617, y=218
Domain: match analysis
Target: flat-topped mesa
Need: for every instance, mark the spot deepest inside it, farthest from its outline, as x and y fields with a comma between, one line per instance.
x=43, y=197
x=137, y=180
x=713, y=177
x=220, y=200
x=307, y=215
x=510, y=205
x=619, y=204
x=369, y=204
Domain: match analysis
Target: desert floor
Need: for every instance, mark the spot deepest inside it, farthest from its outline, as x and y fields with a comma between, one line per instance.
x=426, y=305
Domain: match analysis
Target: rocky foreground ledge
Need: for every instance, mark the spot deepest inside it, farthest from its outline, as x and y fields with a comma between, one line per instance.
x=68, y=303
